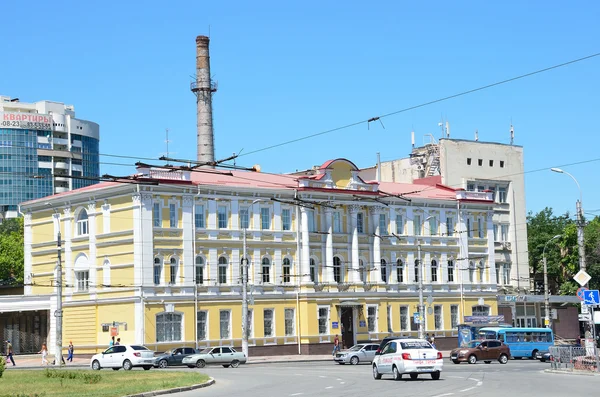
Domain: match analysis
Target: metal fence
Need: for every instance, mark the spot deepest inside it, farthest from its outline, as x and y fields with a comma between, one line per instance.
x=574, y=358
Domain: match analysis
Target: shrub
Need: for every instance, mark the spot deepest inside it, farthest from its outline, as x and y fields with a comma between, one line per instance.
x=2, y=366
x=86, y=377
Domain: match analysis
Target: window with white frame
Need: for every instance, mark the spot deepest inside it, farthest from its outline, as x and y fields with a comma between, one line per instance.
x=433, y=226
x=265, y=218
x=225, y=324
x=168, y=327
x=469, y=228
x=157, y=271
x=82, y=223
x=470, y=187
x=504, y=233
x=199, y=217
x=289, y=322
x=496, y=226
x=286, y=219
x=480, y=310
x=268, y=329
x=481, y=269
x=417, y=226
x=313, y=270
x=83, y=280
x=337, y=222
x=404, y=319
x=222, y=216
x=202, y=325
x=223, y=265
x=437, y=317
x=323, y=314
x=417, y=270
x=372, y=318
x=480, y=188
x=311, y=221
x=506, y=273
x=360, y=222
x=244, y=218
x=450, y=271
x=172, y=215
x=266, y=270
x=156, y=215
x=250, y=327
x=384, y=271
x=287, y=270
x=337, y=270
x=173, y=268
x=434, y=271
x=502, y=194
x=199, y=270
x=400, y=270
x=389, y=319
x=399, y=224
x=480, y=229
x=453, y=316
x=471, y=271
x=449, y=226
x=498, y=269
x=383, y=225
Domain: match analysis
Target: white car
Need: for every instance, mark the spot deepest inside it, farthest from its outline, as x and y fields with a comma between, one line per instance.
x=123, y=356
x=408, y=356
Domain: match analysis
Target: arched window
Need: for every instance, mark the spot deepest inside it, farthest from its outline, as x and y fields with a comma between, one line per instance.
x=199, y=270
x=480, y=310
x=82, y=223
x=287, y=269
x=450, y=271
x=313, y=270
x=173, y=268
x=157, y=271
x=168, y=327
x=417, y=270
x=223, y=265
x=337, y=270
x=471, y=271
x=362, y=272
x=400, y=270
x=481, y=269
x=266, y=270
x=434, y=271
x=384, y=275
x=106, y=273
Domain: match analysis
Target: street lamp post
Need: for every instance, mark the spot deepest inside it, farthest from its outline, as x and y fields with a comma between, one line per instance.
x=421, y=305
x=546, y=298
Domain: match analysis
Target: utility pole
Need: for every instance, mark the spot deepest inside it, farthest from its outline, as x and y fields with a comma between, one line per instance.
x=244, y=296
x=580, y=239
x=58, y=358
x=546, y=298
x=421, y=305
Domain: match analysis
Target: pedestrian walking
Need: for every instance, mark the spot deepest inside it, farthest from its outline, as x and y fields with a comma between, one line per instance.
x=9, y=353
x=70, y=350
x=112, y=342
x=336, y=345
x=44, y=353
x=118, y=342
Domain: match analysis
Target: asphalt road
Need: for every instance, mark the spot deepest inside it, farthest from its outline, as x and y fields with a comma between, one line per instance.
x=519, y=377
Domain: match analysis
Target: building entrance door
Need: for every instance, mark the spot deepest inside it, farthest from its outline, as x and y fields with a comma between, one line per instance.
x=347, y=326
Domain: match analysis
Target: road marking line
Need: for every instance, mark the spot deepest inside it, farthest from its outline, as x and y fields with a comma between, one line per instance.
x=445, y=394
x=479, y=383
x=296, y=394
x=338, y=379
x=321, y=376
x=452, y=376
x=470, y=388
x=329, y=387
x=341, y=383
x=473, y=379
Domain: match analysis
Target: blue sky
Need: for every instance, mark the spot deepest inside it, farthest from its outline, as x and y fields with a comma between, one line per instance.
x=291, y=69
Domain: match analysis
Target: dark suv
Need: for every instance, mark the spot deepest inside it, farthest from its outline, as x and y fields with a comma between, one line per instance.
x=387, y=339
x=477, y=350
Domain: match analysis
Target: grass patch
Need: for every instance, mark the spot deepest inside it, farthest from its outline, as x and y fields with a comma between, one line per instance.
x=88, y=383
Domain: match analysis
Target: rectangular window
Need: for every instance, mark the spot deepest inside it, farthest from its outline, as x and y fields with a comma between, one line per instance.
x=399, y=224
x=250, y=329
x=496, y=232
x=83, y=280
x=199, y=217
x=437, y=317
x=268, y=323
x=450, y=271
x=480, y=188
x=417, y=225
x=506, y=274
x=498, y=268
x=157, y=274
x=337, y=222
x=404, y=320
x=202, y=325
x=265, y=218
x=222, y=215
x=454, y=316
x=433, y=226
x=244, y=218
x=360, y=222
x=449, y=226
x=382, y=225
x=156, y=218
x=502, y=195
x=469, y=228
x=286, y=219
x=225, y=324
x=504, y=233
x=323, y=320
x=173, y=275
x=289, y=322
x=172, y=215
x=372, y=318
x=480, y=230
x=222, y=273
x=311, y=221
x=389, y=318
x=470, y=187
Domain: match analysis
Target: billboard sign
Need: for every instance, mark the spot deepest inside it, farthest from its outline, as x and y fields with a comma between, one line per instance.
x=26, y=121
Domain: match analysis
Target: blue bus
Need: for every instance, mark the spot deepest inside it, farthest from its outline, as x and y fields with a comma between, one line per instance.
x=523, y=342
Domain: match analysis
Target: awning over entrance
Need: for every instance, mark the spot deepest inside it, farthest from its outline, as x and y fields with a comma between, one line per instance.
x=349, y=304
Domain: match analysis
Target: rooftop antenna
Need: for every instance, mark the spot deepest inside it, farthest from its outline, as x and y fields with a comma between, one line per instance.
x=512, y=133
x=476, y=135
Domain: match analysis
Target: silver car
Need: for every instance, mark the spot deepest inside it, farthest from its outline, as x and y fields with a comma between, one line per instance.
x=221, y=355
x=362, y=352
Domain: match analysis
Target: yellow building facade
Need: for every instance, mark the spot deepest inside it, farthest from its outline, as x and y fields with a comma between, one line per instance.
x=159, y=261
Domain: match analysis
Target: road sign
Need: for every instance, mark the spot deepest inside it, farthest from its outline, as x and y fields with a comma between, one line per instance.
x=591, y=297
x=580, y=293
x=585, y=317
x=417, y=318
x=582, y=278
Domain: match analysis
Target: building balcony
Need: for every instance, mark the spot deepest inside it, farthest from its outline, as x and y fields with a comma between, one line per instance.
x=59, y=178
x=61, y=165
x=60, y=189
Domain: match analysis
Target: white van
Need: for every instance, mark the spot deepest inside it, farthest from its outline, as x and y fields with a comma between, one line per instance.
x=408, y=356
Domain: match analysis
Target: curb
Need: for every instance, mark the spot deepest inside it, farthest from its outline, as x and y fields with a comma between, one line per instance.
x=581, y=373
x=290, y=361
x=210, y=382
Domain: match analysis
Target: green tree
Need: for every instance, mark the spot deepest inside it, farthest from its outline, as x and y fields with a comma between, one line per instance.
x=11, y=251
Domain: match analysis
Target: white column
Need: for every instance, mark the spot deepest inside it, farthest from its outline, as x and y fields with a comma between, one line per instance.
x=213, y=266
x=212, y=214
x=392, y=220
x=393, y=278
x=256, y=261
x=143, y=237
x=67, y=243
x=305, y=247
x=236, y=273
x=91, y=210
x=277, y=216
x=27, y=262
x=235, y=214
x=277, y=267
x=189, y=236
x=353, y=274
x=376, y=247
x=491, y=260
x=328, y=271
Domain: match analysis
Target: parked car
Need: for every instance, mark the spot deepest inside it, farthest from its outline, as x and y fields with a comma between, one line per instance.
x=223, y=355
x=123, y=356
x=543, y=356
x=387, y=339
x=408, y=356
x=362, y=352
x=173, y=357
x=486, y=351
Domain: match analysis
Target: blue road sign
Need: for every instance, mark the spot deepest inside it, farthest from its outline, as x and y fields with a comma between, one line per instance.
x=591, y=297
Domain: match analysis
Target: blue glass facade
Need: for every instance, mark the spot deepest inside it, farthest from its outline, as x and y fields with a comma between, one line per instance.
x=90, y=160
